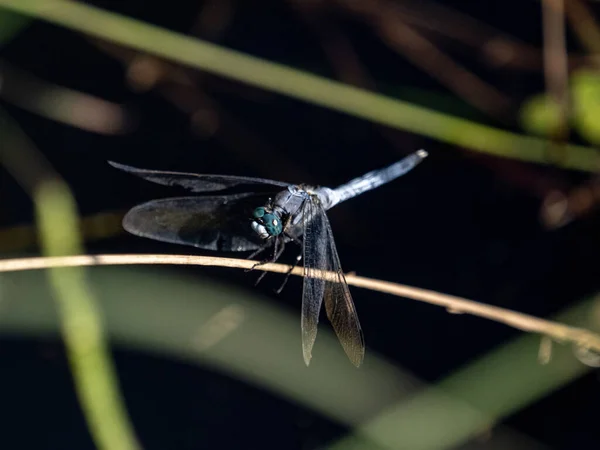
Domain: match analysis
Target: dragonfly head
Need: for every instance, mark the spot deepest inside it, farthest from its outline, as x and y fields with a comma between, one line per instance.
x=266, y=223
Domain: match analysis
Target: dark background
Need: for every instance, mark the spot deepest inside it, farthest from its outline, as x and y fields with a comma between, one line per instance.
x=462, y=223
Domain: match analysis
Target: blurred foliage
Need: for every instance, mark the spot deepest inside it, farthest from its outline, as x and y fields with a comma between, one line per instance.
x=542, y=115
x=585, y=86
x=302, y=85
x=92, y=228
x=80, y=321
x=256, y=348
x=10, y=24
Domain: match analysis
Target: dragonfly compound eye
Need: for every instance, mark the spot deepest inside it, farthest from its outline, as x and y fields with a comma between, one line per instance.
x=259, y=212
x=266, y=224
x=272, y=224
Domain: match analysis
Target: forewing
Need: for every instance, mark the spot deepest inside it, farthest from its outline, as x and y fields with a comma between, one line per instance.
x=320, y=253
x=313, y=288
x=214, y=223
x=200, y=183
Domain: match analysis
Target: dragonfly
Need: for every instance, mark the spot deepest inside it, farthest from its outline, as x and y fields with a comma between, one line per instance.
x=244, y=214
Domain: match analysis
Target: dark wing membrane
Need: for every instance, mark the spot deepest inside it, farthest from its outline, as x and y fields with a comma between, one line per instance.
x=197, y=182
x=213, y=223
x=340, y=306
x=313, y=287
x=320, y=253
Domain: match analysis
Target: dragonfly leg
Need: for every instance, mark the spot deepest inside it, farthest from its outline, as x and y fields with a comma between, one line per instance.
x=259, y=250
x=276, y=254
x=261, y=276
x=289, y=272
x=256, y=252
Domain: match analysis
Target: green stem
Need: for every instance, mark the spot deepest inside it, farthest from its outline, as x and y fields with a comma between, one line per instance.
x=82, y=330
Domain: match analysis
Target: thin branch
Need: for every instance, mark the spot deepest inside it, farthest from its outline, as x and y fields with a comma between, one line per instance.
x=404, y=39
x=584, y=24
x=495, y=46
x=457, y=305
x=555, y=60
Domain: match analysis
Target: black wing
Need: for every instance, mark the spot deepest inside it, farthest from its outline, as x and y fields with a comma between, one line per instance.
x=213, y=223
x=319, y=253
x=197, y=182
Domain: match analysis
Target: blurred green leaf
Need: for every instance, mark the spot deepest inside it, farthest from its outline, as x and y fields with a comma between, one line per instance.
x=81, y=321
x=585, y=86
x=11, y=24
x=540, y=115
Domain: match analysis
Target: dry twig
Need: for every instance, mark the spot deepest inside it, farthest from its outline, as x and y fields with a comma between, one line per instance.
x=563, y=333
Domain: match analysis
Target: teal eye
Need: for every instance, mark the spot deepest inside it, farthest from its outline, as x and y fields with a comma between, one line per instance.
x=272, y=224
x=259, y=212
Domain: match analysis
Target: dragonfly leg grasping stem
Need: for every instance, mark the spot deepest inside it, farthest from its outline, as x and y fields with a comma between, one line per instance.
x=289, y=272
x=256, y=252
x=276, y=254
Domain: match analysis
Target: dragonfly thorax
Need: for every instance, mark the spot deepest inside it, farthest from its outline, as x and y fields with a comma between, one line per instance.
x=266, y=223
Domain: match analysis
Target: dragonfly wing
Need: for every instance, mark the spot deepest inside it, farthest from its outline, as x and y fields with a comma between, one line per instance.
x=339, y=305
x=198, y=182
x=313, y=286
x=214, y=223
x=320, y=253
